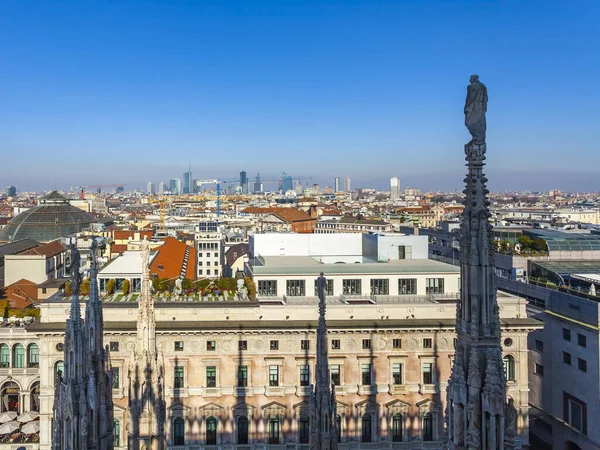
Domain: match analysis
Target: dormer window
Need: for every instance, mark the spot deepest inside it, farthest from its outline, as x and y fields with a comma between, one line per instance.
x=161, y=267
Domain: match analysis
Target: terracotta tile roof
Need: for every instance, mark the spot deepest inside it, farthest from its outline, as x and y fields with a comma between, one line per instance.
x=171, y=259
x=122, y=234
x=21, y=294
x=48, y=250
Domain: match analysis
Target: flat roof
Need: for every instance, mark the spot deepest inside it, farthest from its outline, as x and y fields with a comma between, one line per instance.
x=127, y=263
x=307, y=265
x=565, y=268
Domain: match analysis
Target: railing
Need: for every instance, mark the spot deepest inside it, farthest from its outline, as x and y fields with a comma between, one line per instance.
x=353, y=298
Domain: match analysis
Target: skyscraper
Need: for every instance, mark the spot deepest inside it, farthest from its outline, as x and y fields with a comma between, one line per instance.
x=188, y=182
x=347, y=186
x=244, y=182
x=258, y=187
x=11, y=191
x=161, y=188
x=175, y=185
x=286, y=183
x=337, y=184
x=394, y=188
x=150, y=188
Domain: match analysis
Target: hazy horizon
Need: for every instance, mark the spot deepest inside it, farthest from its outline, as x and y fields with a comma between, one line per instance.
x=113, y=92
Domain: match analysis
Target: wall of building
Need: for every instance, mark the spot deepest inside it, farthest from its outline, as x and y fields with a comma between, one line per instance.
x=30, y=267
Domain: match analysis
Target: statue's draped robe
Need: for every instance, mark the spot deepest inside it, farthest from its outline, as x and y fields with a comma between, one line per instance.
x=475, y=109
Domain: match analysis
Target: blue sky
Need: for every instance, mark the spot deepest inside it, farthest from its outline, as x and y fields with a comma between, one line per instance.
x=126, y=91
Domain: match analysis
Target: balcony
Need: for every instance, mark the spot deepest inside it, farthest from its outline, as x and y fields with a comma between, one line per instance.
x=367, y=390
x=398, y=389
x=428, y=389
x=274, y=391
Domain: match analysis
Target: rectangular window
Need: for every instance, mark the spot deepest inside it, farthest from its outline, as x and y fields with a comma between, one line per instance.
x=243, y=345
x=380, y=286
x=397, y=343
x=335, y=374
x=582, y=364
x=366, y=374
x=351, y=287
x=116, y=382
x=428, y=427
x=434, y=286
x=273, y=375
x=243, y=376
x=567, y=358
x=267, y=288
x=211, y=376
x=178, y=346
x=304, y=344
x=407, y=286
x=427, y=373
x=178, y=377
x=366, y=344
x=211, y=346
x=304, y=375
x=335, y=344
x=328, y=287
x=216, y=255
x=295, y=288
x=581, y=340
x=427, y=343
x=114, y=347
x=539, y=346
x=575, y=412
x=397, y=373
x=274, y=345
x=566, y=334
x=539, y=370
x=207, y=271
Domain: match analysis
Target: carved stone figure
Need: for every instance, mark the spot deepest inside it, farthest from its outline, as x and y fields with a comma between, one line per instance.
x=475, y=109
x=510, y=425
x=242, y=290
x=178, y=289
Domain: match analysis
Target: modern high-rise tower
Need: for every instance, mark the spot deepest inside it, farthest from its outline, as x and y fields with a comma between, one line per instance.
x=337, y=184
x=244, y=182
x=286, y=183
x=394, y=188
x=347, y=186
x=188, y=182
x=258, y=187
x=175, y=186
x=150, y=188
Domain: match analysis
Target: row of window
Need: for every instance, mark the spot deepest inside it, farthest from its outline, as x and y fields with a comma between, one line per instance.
x=200, y=263
x=18, y=356
x=304, y=345
x=208, y=272
x=581, y=338
x=200, y=255
x=208, y=246
x=380, y=286
x=274, y=371
x=274, y=429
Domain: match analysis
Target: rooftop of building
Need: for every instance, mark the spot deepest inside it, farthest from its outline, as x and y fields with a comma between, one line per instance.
x=16, y=247
x=308, y=265
x=48, y=250
x=51, y=219
x=172, y=259
x=558, y=240
x=127, y=263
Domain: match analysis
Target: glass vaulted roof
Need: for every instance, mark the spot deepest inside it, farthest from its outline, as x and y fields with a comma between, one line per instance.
x=559, y=240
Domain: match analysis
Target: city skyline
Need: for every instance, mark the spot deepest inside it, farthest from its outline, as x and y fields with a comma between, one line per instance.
x=91, y=92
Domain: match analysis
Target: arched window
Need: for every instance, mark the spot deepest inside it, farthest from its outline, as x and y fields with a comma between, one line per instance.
x=178, y=431
x=304, y=430
x=366, y=428
x=428, y=427
x=35, y=397
x=33, y=355
x=211, y=431
x=4, y=356
x=509, y=367
x=59, y=367
x=396, y=428
x=18, y=356
x=10, y=394
x=117, y=432
x=338, y=423
x=273, y=430
x=242, y=431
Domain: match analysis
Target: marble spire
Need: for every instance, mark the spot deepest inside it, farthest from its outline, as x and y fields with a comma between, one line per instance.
x=323, y=424
x=83, y=408
x=147, y=407
x=477, y=406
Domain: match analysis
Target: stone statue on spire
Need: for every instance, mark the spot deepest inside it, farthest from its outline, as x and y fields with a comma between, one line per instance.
x=477, y=408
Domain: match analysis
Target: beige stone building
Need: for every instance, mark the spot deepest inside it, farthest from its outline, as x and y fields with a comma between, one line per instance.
x=238, y=373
